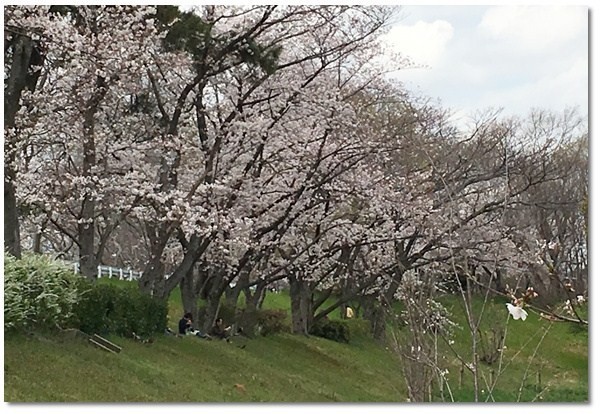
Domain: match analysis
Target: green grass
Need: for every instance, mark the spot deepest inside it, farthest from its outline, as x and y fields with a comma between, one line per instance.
x=542, y=360
x=282, y=368
x=279, y=368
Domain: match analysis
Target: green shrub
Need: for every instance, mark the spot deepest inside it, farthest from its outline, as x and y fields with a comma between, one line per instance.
x=330, y=329
x=39, y=292
x=105, y=309
x=262, y=321
x=358, y=327
x=271, y=321
x=93, y=312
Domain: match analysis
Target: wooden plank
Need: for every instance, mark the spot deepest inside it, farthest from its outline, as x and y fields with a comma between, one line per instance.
x=105, y=342
x=99, y=345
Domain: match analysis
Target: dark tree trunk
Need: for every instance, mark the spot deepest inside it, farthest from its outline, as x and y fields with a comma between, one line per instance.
x=37, y=243
x=233, y=293
x=153, y=271
x=254, y=300
x=86, y=233
x=260, y=294
x=12, y=235
x=213, y=302
x=16, y=81
x=394, y=285
x=374, y=312
x=498, y=281
x=247, y=318
x=194, y=250
x=210, y=313
x=189, y=295
x=300, y=297
x=153, y=279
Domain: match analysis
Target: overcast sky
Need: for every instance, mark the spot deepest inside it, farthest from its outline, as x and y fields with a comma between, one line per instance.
x=513, y=57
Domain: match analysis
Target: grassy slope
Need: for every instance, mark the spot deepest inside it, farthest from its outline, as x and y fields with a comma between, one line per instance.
x=555, y=351
x=277, y=368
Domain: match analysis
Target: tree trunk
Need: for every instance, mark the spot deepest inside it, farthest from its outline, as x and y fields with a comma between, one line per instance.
x=210, y=313
x=86, y=236
x=260, y=294
x=37, y=243
x=213, y=302
x=498, y=281
x=154, y=274
x=374, y=312
x=233, y=293
x=254, y=300
x=195, y=248
x=86, y=233
x=12, y=235
x=189, y=295
x=394, y=285
x=301, y=305
x=16, y=81
x=153, y=271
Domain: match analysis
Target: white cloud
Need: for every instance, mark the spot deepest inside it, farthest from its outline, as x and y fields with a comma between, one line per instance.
x=533, y=28
x=424, y=43
x=554, y=91
x=508, y=57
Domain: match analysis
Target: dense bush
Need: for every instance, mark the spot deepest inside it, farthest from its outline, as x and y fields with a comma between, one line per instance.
x=335, y=330
x=105, y=308
x=272, y=321
x=39, y=292
x=358, y=327
x=262, y=321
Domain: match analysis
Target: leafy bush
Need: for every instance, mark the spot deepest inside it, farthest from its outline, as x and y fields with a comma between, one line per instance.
x=93, y=312
x=262, y=321
x=122, y=311
x=358, y=327
x=39, y=292
x=338, y=331
x=272, y=321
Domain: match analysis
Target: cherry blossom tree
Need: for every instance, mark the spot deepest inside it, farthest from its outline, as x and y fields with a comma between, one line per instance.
x=263, y=133
x=77, y=128
x=228, y=148
x=23, y=57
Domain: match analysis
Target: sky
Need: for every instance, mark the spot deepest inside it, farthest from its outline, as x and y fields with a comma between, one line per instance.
x=513, y=57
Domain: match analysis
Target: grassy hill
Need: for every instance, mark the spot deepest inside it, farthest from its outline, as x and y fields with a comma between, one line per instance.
x=277, y=368
x=282, y=368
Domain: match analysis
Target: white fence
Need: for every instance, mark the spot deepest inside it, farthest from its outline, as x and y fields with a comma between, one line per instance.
x=116, y=272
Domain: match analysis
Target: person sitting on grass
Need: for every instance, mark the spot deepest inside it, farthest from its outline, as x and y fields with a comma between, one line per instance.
x=220, y=331
x=186, y=328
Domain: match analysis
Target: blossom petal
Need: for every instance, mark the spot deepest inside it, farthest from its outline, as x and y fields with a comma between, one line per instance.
x=523, y=313
x=516, y=311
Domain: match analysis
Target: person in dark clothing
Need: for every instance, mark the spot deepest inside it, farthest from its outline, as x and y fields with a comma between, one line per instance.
x=186, y=328
x=185, y=323
x=219, y=331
